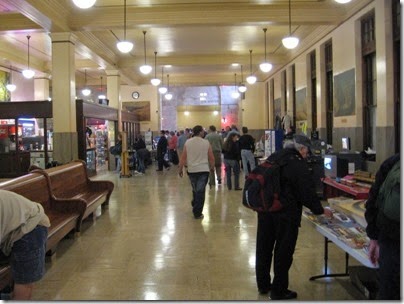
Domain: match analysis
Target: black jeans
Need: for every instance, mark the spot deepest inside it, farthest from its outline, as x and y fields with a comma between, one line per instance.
x=276, y=237
x=389, y=270
x=198, y=183
x=161, y=161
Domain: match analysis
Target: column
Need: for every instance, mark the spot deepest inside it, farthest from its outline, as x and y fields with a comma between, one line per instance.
x=41, y=89
x=64, y=97
x=113, y=93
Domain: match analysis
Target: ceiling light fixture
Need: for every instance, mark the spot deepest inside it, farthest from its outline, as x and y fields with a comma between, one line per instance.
x=251, y=79
x=28, y=73
x=290, y=42
x=162, y=88
x=10, y=86
x=242, y=88
x=265, y=66
x=342, y=1
x=155, y=81
x=86, y=91
x=84, y=3
x=168, y=96
x=101, y=96
x=124, y=46
x=235, y=93
x=145, y=69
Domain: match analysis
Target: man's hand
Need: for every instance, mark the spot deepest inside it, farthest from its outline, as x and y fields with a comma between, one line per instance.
x=180, y=173
x=328, y=212
x=374, y=252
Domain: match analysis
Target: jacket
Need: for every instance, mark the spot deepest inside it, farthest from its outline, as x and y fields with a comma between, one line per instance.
x=297, y=184
x=374, y=229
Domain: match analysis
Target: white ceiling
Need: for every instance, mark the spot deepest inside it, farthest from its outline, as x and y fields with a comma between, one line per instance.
x=199, y=38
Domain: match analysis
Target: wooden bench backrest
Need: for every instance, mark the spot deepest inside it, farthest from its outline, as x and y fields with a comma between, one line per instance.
x=68, y=180
x=33, y=186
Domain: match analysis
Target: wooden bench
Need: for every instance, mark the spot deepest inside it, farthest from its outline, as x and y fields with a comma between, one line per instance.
x=71, y=182
x=65, y=216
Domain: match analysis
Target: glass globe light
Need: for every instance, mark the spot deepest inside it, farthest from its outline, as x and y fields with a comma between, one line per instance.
x=84, y=3
x=28, y=74
x=11, y=87
x=235, y=94
x=168, y=96
x=86, y=92
x=242, y=88
x=265, y=67
x=155, y=81
x=251, y=79
x=124, y=46
x=145, y=69
x=290, y=42
x=162, y=90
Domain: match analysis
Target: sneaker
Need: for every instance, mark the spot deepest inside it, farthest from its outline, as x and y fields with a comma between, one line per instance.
x=199, y=217
x=287, y=295
x=238, y=189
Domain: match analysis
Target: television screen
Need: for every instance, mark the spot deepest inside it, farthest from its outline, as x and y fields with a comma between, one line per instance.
x=330, y=166
x=346, y=143
x=335, y=166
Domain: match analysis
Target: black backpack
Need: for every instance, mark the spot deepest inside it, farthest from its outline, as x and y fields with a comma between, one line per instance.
x=262, y=188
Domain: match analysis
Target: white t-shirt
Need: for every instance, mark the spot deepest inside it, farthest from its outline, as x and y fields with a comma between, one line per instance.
x=197, y=154
x=18, y=216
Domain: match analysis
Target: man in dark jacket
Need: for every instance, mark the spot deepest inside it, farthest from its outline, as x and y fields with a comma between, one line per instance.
x=384, y=234
x=279, y=230
x=161, y=151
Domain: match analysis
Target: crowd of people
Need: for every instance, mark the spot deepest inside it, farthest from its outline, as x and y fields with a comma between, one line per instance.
x=199, y=153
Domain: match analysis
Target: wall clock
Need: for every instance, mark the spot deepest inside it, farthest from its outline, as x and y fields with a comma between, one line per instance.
x=135, y=95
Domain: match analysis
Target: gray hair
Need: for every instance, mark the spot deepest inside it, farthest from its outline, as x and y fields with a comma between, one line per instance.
x=290, y=143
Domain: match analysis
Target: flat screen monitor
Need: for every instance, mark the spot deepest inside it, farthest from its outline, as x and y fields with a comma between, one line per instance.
x=346, y=143
x=334, y=166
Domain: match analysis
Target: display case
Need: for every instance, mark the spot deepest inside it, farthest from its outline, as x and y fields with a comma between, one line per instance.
x=101, y=148
x=91, y=160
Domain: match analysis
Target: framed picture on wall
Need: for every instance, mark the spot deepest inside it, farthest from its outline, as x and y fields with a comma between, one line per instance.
x=140, y=108
x=344, y=94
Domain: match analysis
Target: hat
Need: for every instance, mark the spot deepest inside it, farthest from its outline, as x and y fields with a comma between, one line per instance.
x=302, y=140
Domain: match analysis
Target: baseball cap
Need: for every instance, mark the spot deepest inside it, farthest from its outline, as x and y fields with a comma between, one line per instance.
x=302, y=140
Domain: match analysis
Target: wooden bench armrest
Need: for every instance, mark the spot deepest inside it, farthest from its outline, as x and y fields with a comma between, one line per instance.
x=101, y=185
x=69, y=205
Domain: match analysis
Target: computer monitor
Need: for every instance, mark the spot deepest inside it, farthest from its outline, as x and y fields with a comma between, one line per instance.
x=346, y=143
x=334, y=166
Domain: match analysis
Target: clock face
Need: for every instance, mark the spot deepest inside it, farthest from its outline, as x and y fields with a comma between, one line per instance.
x=135, y=95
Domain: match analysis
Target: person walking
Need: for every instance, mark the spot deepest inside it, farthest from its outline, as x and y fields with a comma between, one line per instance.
x=383, y=229
x=277, y=232
x=162, y=145
x=181, y=142
x=231, y=158
x=247, y=148
x=216, y=142
x=23, y=236
x=199, y=159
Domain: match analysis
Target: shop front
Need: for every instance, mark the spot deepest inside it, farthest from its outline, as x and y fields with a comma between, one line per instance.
x=26, y=136
x=96, y=130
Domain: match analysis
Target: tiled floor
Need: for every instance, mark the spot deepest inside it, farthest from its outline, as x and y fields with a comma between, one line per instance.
x=148, y=246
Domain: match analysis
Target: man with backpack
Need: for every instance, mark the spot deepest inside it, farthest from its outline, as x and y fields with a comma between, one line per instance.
x=277, y=231
x=383, y=217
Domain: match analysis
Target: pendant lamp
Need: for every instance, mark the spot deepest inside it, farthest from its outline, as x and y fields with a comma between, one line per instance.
x=124, y=46
x=162, y=88
x=28, y=73
x=86, y=91
x=290, y=42
x=168, y=96
x=251, y=79
x=10, y=86
x=145, y=69
x=101, y=96
x=265, y=66
x=155, y=81
x=84, y=3
x=235, y=93
x=242, y=88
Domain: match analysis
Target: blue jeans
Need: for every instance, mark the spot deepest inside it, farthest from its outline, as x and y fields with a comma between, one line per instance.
x=198, y=183
x=232, y=164
x=140, y=164
x=248, y=158
x=27, y=257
